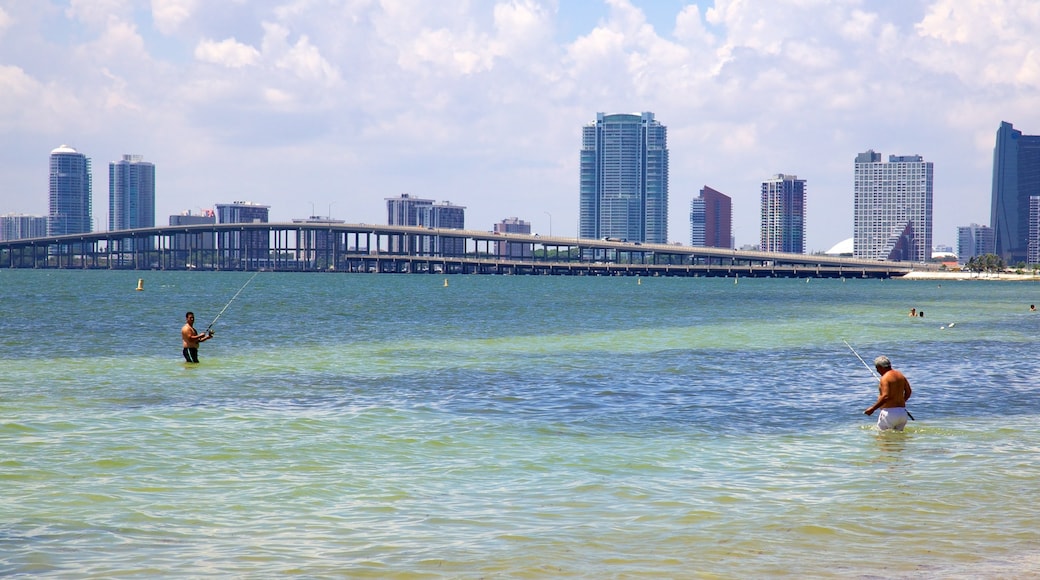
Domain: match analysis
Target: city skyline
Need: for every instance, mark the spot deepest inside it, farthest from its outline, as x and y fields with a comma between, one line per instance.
x=482, y=103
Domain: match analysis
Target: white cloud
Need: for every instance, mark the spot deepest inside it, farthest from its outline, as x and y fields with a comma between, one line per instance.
x=483, y=100
x=98, y=12
x=302, y=59
x=690, y=29
x=5, y=20
x=992, y=41
x=168, y=15
x=229, y=53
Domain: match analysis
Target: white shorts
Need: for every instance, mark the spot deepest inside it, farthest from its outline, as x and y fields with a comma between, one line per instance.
x=892, y=418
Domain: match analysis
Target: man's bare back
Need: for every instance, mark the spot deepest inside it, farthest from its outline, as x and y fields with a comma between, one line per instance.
x=893, y=390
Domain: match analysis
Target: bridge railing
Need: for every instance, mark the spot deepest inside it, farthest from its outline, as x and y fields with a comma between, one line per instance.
x=365, y=247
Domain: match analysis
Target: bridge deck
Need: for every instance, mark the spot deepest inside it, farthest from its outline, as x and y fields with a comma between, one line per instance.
x=404, y=249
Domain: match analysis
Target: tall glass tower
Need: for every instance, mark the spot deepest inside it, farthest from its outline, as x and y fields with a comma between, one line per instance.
x=783, y=214
x=892, y=214
x=1016, y=177
x=624, y=179
x=70, y=190
x=131, y=193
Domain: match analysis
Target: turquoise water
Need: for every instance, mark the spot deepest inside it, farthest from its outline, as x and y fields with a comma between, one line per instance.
x=389, y=426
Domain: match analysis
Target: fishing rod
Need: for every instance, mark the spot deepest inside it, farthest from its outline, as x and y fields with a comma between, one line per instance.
x=230, y=301
x=873, y=373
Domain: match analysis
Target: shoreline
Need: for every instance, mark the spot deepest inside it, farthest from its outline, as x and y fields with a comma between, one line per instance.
x=971, y=276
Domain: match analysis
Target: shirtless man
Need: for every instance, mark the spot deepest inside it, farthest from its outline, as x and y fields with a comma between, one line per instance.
x=191, y=338
x=893, y=393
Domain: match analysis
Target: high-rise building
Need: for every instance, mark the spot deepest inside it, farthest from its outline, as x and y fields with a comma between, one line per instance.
x=513, y=225
x=20, y=226
x=892, y=215
x=404, y=210
x=974, y=241
x=131, y=193
x=1016, y=177
x=711, y=219
x=444, y=215
x=70, y=193
x=253, y=247
x=1033, y=248
x=783, y=214
x=624, y=179
x=412, y=211
x=193, y=240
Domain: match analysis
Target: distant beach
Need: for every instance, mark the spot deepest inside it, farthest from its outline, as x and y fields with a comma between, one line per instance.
x=1004, y=276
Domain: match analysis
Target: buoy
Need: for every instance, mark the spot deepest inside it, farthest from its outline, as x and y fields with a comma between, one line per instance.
x=951, y=324
x=639, y=281
x=445, y=282
x=140, y=284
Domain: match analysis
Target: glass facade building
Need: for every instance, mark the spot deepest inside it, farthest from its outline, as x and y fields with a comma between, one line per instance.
x=783, y=215
x=253, y=248
x=131, y=193
x=892, y=213
x=974, y=241
x=404, y=210
x=1016, y=178
x=70, y=193
x=624, y=179
x=711, y=219
x=413, y=211
x=20, y=226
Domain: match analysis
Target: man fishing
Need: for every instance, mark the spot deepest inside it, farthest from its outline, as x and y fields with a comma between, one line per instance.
x=191, y=338
x=893, y=392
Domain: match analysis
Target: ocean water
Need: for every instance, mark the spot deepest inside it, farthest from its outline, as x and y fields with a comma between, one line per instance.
x=409, y=426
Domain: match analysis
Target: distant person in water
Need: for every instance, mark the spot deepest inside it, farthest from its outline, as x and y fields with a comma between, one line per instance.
x=191, y=338
x=893, y=392
x=913, y=312
x=1032, y=307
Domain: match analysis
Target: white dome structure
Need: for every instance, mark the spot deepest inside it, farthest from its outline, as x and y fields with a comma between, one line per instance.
x=64, y=149
x=842, y=247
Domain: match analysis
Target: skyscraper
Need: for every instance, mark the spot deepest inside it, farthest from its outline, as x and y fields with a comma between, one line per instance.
x=131, y=193
x=783, y=214
x=624, y=179
x=413, y=211
x=973, y=241
x=20, y=226
x=404, y=210
x=711, y=219
x=252, y=247
x=70, y=191
x=892, y=214
x=1016, y=177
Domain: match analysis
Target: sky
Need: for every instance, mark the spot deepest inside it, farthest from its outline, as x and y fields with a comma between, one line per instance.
x=328, y=107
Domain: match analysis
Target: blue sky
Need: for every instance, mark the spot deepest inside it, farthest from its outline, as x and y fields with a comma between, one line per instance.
x=331, y=106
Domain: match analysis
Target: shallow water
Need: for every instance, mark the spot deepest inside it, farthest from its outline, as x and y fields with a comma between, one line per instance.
x=389, y=426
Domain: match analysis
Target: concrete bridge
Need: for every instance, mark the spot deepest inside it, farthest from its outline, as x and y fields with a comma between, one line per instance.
x=334, y=246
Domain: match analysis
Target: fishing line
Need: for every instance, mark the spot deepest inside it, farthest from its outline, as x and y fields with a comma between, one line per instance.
x=873, y=373
x=236, y=296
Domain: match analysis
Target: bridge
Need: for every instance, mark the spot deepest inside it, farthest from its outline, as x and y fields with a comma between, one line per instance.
x=335, y=246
